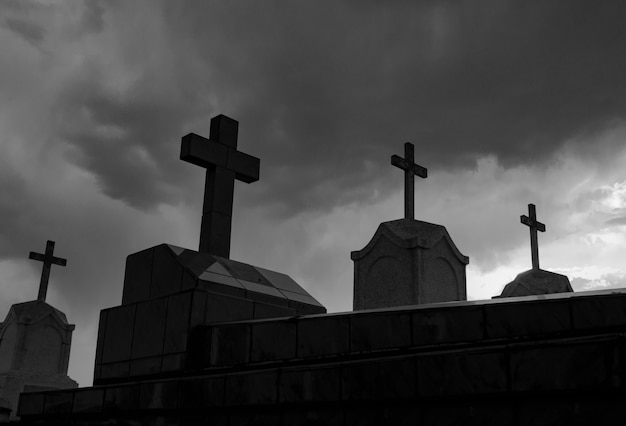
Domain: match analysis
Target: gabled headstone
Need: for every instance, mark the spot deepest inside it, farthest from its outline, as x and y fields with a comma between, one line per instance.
x=35, y=340
x=408, y=262
x=536, y=280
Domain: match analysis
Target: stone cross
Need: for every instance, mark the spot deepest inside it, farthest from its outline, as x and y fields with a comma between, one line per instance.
x=534, y=225
x=410, y=169
x=223, y=164
x=48, y=260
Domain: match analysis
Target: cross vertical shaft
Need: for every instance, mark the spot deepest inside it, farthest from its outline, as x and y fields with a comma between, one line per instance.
x=410, y=170
x=534, y=225
x=223, y=164
x=48, y=260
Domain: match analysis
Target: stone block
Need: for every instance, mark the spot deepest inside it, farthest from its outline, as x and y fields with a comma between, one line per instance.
x=264, y=293
x=209, y=419
x=88, y=400
x=137, y=276
x=100, y=339
x=157, y=420
x=31, y=403
x=475, y=413
x=173, y=362
x=281, y=281
x=380, y=414
x=177, y=324
x=118, y=335
x=571, y=366
x=167, y=272
x=528, y=318
x=158, y=395
x=273, y=341
x=467, y=373
x=145, y=366
x=217, y=283
x=306, y=309
x=199, y=348
x=221, y=308
x=230, y=344
x=202, y=393
x=198, y=308
x=59, y=402
x=149, y=330
x=252, y=388
x=598, y=312
x=121, y=398
x=243, y=271
x=323, y=336
x=310, y=385
x=313, y=417
x=437, y=326
x=264, y=310
x=113, y=370
x=257, y=418
x=391, y=379
x=380, y=331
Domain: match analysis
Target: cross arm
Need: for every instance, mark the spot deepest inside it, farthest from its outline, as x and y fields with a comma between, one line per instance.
x=42, y=258
x=203, y=152
x=402, y=163
x=528, y=222
x=246, y=166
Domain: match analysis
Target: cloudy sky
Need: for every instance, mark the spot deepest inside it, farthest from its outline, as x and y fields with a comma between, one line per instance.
x=507, y=103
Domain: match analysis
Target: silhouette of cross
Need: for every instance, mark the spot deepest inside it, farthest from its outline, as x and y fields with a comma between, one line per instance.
x=223, y=164
x=48, y=260
x=534, y=226
x=410, y=169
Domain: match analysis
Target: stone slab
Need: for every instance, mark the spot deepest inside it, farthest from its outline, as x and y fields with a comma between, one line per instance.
x=149, y=332
x=252, y=389
x=380, y=331
x=273, y=341
x=118, y=336
x=436, y=326
x=531, y=318
x=323, y=336
x=370, y=380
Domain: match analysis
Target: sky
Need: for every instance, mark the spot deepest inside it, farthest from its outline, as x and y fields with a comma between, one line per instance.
x=507, y=103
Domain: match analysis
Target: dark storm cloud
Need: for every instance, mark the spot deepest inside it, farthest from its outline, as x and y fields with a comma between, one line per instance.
x=326, y=92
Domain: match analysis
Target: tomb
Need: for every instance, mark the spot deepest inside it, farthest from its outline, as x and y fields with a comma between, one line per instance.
x=408, y=262
x=35, y=340
x=536, y=280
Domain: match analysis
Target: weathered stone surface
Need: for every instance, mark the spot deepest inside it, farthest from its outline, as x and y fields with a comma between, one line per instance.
x=35, y=341
x=537, y=281
x=408, y=262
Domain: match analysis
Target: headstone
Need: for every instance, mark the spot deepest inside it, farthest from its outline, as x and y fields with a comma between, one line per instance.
x=170, y=291
x=408, y=262
x=35, y=340
x=535, y=281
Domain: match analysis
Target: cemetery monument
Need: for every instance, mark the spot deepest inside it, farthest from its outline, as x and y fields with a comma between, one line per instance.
x=35, y=340
x=408, y=262
x=535, y=280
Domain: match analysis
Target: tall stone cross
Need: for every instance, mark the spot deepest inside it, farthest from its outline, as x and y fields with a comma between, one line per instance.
x=223, y=164
x=48, y=260
x=410, y=169
x=534, y=225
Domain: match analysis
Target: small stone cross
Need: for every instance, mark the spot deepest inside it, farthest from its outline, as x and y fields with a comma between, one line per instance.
x=223, y=164
x=48, y=260
x=410, y=169
x=534, y=225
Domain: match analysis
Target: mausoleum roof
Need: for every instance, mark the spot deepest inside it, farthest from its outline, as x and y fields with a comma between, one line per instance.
x=167, y=269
